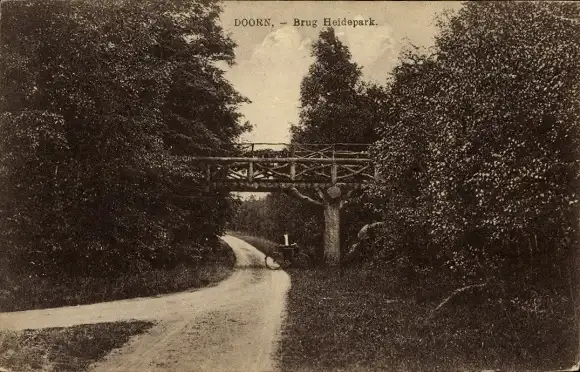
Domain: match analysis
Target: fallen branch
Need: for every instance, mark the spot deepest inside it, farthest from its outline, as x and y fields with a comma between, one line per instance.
x=454, y=294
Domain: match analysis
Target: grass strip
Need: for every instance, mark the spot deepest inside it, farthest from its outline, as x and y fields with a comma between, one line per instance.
x=71, y=349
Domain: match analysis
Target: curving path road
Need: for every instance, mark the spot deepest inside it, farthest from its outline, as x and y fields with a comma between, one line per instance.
x=234, y=326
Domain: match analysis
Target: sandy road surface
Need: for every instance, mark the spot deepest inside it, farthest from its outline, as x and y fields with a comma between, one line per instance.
x=233, y=326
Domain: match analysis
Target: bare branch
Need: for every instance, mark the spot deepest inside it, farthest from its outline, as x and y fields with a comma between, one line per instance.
x=294, y=192
x=345, y=198
x=349, y=193
x=455, y=293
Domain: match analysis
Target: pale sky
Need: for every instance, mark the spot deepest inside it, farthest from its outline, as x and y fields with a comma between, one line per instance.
x=272, y=60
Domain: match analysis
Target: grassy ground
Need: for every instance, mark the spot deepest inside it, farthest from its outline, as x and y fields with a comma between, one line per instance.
x=37, y=293
x=360, y=319
x=352, y=319
x=64, y=349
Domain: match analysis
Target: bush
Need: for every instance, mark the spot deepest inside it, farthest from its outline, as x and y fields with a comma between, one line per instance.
x=478, y=152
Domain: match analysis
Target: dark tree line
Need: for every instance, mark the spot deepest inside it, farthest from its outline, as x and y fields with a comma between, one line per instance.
x=479, y=146
x=97, y=97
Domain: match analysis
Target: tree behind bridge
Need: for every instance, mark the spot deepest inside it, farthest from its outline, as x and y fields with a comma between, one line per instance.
x=336, y=107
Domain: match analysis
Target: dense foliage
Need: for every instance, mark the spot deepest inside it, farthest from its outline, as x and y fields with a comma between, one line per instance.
x=478, y=151
x=96, y=99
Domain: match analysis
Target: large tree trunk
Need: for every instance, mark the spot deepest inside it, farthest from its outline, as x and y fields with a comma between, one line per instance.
x=332, y=204
x=332, y=232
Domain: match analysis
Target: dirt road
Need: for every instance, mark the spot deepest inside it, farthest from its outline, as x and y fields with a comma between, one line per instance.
x=234, y=326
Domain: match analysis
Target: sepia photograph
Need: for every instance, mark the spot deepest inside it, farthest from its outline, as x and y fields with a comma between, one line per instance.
x=289, y=186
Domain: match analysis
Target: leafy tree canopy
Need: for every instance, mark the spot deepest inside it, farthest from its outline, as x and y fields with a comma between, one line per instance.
x=335, y=103
x=479, y=146
x=114, y=88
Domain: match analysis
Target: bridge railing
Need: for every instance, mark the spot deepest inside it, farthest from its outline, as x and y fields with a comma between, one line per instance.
x=300, y=150
x=280, y=165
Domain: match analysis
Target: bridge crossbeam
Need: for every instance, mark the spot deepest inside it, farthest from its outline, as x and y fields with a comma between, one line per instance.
x=272, y=186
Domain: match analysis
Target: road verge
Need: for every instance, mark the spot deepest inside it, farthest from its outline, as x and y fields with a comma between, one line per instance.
x=70, y=349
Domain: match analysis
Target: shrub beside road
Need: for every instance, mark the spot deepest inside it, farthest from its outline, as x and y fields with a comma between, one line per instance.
x=25, y=293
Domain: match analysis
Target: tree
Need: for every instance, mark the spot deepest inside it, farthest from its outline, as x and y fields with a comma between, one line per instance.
x=333, y=99
x=122, y=87
x=479, y=151
x=402, y=158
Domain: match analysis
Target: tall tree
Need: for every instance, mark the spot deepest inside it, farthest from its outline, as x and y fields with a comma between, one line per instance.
x=332, y=97
x=115, y=88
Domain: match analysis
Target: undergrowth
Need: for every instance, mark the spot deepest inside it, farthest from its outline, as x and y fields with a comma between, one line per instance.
x=24, y=293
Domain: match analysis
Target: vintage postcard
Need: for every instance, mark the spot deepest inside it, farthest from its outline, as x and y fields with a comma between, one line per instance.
x=256, y=186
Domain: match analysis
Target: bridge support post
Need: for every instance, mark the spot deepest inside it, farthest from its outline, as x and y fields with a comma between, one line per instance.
x=332, y=200
x=332, y=232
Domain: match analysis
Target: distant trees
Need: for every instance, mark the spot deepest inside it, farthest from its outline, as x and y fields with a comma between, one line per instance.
x=479, y=149
x=96, y=97
x=277, y=214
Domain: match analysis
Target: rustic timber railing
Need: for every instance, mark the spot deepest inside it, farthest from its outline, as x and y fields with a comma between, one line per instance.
x=301, y=166
x=315, y=173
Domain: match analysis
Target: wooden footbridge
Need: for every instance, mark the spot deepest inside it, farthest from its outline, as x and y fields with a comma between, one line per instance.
x=323, y=174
